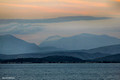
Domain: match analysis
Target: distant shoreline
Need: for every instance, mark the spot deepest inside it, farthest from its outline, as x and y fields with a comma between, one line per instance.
x=59, y=59
x=58, y=63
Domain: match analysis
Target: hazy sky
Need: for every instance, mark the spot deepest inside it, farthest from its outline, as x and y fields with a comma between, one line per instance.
x=59, y=17
x=35, y=9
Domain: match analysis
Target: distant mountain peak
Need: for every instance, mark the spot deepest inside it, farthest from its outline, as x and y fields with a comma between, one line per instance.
x=12, y=45
x=90, y=34
x=56, y=37
x=87, y=34
x=80, y=41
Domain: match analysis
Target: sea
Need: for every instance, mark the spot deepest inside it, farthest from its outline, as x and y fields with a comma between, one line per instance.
x=60, y=71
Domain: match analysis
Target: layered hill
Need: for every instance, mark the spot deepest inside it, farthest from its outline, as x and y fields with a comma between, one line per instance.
x=112, y=49
x=49, y=59
x=77, y=54
x=111, y=58
x=64, y=59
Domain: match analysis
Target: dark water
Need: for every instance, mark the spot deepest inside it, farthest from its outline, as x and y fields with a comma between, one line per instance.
x=82, y=71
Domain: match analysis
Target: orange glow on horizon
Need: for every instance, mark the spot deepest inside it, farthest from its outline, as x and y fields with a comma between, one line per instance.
x=52, y=8
x=117, y=0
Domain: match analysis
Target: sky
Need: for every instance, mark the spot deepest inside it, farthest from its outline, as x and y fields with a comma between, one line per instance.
x=35, y=20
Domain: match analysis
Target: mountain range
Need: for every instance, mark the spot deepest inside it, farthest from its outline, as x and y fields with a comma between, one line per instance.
x=81, y=41
x=11, y=45
x=14, y=48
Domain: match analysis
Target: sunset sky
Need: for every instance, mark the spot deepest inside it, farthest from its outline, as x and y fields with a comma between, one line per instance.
x=59, y=17
x=36, y=9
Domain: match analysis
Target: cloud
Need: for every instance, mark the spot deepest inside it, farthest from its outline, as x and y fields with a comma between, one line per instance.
x=52, y=20
x=21, y=29
x=37, y=9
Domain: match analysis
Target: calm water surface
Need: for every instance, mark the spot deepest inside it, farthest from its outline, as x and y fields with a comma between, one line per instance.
x=84, y=71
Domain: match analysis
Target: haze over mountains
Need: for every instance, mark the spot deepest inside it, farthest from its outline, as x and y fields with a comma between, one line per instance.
x=12, y=45
x=14, y=48
x=81, y=41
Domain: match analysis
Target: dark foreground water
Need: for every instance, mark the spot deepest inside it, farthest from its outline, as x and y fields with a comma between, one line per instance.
x=82, y=71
